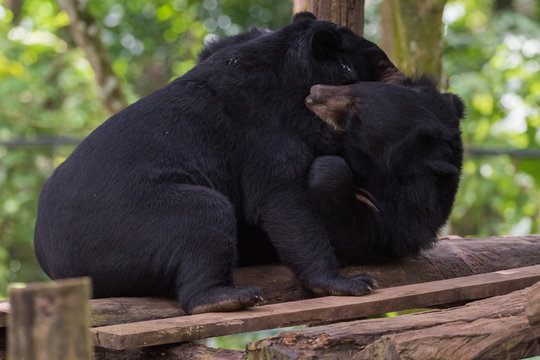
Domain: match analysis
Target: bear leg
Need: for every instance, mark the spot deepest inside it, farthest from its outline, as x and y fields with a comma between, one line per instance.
x=208, y=253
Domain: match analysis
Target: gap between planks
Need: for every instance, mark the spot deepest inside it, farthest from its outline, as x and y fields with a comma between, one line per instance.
x=325, y=309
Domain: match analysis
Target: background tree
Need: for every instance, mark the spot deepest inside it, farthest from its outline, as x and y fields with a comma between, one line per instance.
x=349, y=13
x=412, y=35
x=87, y=34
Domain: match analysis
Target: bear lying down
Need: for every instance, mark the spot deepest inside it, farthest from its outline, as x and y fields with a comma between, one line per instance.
x=394, y=186
x=150, y=203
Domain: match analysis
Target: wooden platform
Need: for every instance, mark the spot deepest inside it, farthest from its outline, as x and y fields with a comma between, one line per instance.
x=313, y=311
x=457, y=270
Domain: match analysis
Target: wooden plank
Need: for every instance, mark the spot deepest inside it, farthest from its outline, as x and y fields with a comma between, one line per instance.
x=326, y=309
x=452, y=257
x=50, y=321
x=124, y=309
x=347, y=339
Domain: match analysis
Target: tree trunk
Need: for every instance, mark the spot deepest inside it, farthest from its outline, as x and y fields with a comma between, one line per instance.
x=50, y=321
x=86, y=33
x=15, y=6
x=300, y=5
x=495, y=328
x=348, y=13
x=412, y=36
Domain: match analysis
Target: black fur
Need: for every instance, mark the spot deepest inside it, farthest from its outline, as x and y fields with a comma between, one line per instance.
x=402, y=156
x=149, y=203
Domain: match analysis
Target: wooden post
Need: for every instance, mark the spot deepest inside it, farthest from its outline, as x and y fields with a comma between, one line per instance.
x=50, y=321
x=348, y=13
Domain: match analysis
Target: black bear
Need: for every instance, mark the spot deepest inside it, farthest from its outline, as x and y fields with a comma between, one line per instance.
x=394, y=186
x=149, y=203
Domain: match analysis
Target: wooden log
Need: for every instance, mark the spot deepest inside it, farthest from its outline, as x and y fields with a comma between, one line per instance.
x=485, y=329
x=532, y=309
x=185, y=351
x=348, y=13
x=50, y=321
x=326, y=309
x=452, y=257
x=481, y=339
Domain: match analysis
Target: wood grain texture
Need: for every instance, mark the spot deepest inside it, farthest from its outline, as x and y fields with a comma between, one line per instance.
x=478, y=340
x=485, y=329
x=326, y=309
x=126, y=309
x=532, y=309
x=348, y=13
x=50, y=321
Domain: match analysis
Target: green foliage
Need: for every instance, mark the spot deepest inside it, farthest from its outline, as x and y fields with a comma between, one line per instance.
x=239, y=341
x=47, y=87
x=493, y=60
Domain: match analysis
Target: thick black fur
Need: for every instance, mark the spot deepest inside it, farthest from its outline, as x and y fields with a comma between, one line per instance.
x=403, y=155
x=149, y=203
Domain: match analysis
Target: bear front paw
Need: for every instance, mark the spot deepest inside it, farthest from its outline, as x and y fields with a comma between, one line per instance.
x=225, y=299
x=358, y=285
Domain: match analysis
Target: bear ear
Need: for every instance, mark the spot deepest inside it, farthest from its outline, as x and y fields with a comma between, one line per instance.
x=303, y=15
x=443, y=168
x=324, y=43
x=460, y=106
x=457, y=103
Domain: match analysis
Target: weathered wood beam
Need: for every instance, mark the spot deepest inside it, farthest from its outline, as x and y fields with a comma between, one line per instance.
x=50, y=321
x=185, y=351
x=320, y=310
x=486, y=329
x=451, y=257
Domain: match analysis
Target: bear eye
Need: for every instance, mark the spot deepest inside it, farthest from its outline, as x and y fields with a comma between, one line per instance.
x=355, y=107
